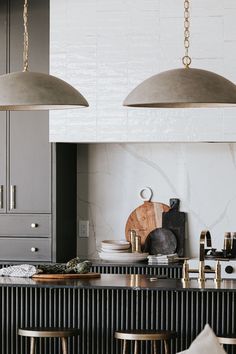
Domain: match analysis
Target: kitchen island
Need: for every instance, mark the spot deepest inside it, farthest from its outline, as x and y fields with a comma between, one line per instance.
x=100, y=306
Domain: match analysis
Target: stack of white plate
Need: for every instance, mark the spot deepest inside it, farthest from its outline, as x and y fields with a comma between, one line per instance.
x=115, y=246
x=119, y=251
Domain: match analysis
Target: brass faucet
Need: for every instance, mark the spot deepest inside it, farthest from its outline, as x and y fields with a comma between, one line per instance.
x=205, y=237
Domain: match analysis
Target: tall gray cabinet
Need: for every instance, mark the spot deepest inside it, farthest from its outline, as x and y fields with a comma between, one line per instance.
x=37, y=179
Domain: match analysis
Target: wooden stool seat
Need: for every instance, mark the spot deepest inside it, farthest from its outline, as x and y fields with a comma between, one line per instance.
x=145, y=335
x=51, y=332
x=227, y=339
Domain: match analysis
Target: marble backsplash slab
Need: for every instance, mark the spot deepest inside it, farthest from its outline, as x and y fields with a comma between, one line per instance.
x=201, y=175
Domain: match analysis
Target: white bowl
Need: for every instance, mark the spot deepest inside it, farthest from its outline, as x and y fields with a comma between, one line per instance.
x=115, y=245
x=123, y=257
x=108, y=250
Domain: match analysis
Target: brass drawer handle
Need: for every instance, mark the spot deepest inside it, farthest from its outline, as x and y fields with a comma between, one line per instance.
x=12, y=197
x=34, y=225
x=1, y=196
x=33, y=249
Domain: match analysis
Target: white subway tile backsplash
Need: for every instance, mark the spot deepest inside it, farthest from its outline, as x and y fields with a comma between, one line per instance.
x=229, y=4
x=107, y=47
x=230, y=24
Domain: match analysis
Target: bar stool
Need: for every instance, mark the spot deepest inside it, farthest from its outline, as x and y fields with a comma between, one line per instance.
x=34, y=333
x=144, y=335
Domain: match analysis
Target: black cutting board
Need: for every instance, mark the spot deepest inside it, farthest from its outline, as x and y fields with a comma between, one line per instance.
x=175, y=221
x=160, y=241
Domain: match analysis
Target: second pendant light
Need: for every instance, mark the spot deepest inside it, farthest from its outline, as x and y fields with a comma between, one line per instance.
x=185, y=87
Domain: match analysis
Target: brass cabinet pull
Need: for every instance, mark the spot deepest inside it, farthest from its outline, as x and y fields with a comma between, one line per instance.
x=33, y=249
x=12, y=197
x=1, y=196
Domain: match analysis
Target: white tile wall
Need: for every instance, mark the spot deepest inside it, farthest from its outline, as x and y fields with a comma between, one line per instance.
x=106, y=47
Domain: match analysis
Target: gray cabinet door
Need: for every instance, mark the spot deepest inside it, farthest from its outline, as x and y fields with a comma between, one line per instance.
x=29, y=163
x=29, y=149
x=3, y=131
x=3, y=179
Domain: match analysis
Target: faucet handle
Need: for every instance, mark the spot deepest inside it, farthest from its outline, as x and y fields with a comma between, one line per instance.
x=185, y=269
x=218, y=271
x=222, y=259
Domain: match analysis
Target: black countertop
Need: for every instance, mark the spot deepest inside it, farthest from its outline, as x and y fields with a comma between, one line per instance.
x=113, y=281
x=101, y=262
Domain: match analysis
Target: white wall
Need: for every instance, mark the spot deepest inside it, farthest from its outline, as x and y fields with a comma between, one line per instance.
x=110, y=176
x=106, y=47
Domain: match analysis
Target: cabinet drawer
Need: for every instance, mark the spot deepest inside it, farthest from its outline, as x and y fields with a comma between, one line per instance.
x=25, y=225
x=25, y=249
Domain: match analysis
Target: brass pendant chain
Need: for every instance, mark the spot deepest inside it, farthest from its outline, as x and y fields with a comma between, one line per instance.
x=26, y=38
x=186, y=59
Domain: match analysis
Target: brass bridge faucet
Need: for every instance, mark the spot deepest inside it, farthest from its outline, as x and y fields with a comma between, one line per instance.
x=205, y=237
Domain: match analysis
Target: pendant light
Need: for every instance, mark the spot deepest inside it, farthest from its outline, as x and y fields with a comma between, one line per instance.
x=183, y=88
x=27, y=91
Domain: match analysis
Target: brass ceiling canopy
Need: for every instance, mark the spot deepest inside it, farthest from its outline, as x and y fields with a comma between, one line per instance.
x=27, y=91
x=183, y=88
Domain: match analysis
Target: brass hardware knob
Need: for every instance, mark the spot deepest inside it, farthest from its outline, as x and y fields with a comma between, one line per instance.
x=34, y=225
x=33, y=249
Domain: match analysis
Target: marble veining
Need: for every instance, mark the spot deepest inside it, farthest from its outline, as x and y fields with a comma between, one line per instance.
x=201, y=175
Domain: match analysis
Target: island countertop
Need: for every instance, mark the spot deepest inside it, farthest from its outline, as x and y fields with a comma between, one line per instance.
x=121, y=281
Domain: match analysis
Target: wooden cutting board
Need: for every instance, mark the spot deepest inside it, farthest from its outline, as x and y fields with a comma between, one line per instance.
x=145, y=219
x=67, y=276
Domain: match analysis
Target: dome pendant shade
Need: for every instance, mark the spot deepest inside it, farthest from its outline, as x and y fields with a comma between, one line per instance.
x=23, y=91
x=183, y=88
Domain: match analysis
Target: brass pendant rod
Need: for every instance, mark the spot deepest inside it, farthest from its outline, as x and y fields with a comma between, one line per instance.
x=26, y=38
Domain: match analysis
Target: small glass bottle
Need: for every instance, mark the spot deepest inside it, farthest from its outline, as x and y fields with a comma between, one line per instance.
x=138, y=244
x=132, y=240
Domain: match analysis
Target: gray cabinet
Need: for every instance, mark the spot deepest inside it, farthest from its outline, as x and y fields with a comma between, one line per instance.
x=37, y=179
x=29, y=149
x=29, y=163
x=25, y=163
x=3, y=68
x=3, y=162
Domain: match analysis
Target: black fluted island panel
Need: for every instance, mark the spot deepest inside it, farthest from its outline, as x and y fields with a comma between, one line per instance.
x=100, y=306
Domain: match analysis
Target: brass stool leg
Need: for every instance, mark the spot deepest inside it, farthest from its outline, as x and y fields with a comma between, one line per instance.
x=154, y=347
x=166, y=344
x=136, y=347
x=64, y=345
x=32, y=345
x=124, y=346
